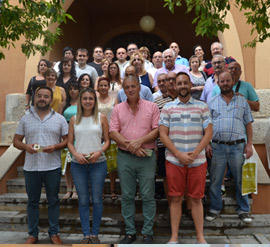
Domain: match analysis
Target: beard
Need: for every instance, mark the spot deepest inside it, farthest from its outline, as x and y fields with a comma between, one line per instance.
x=42, y=108
x=226, y=91
x=183, y=95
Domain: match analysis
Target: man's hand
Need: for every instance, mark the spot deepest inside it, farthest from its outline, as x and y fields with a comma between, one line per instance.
x=240, y=94
x=209, y=151
x=49, y=149
x=133, y=145
x=248, y=151
x=140, y=152
x=30, y=148
x=184, y=158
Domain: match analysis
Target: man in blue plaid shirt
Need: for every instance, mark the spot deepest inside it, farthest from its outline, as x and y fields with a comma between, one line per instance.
x=232, y=122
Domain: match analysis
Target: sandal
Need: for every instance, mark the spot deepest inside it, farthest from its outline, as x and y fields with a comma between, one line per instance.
x=113, y=195
x=74, y=195
x=68, y=194
x=86, y=240
x=94, y=239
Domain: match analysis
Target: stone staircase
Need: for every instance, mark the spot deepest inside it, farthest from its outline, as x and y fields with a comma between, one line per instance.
x=13, y=214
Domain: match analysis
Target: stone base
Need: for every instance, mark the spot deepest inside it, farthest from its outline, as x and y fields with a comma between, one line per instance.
x=8, y=129
x=15, y=106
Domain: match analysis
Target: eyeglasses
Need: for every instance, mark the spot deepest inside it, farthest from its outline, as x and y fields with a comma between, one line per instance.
x=132, y=49
x=217, y=62
x=161, y=80
x=233, y=68
x=170, y=79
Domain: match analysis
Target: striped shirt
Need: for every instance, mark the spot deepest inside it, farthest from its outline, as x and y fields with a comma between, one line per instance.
x=48, y=131
x=229, y=120
x=161, y=101
x=186, y=123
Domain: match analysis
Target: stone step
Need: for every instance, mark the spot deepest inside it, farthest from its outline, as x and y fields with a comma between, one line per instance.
x=17, y=185
x=9, y=201
x=114, y=224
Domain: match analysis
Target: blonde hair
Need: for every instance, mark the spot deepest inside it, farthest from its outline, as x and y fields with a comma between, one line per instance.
x=80, y=112
x=145, y=49
x=142, y=59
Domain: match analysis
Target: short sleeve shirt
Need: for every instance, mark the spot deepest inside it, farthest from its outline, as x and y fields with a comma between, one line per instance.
x=48, y=131
x=186, y=123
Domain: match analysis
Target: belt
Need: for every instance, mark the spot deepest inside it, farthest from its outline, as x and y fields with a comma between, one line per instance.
x=127, y=152
x=230, y=143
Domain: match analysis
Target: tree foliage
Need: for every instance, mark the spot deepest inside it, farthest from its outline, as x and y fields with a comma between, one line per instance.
x=29, y=19
x=211, y=16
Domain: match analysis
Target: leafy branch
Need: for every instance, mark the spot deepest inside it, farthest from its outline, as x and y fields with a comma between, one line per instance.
x=29, y=21
x=211, y=15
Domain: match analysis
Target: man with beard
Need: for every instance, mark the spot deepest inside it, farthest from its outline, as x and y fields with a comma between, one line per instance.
x=232, y=122
x=240, y=87
x=185, y=129
x=45, y=133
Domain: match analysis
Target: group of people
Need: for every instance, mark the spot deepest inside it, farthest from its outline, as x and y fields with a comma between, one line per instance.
x=171, y=117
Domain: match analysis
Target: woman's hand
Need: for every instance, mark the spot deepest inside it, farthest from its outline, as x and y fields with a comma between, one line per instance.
x=81, y=158
x=94, y=156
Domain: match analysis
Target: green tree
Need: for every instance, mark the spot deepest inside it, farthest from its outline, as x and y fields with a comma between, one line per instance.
x=211, y=15
x=29, y=19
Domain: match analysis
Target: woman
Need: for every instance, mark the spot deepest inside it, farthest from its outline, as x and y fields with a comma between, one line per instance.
x=146, y=55
x=88, y=166
x=69, y=111
x=105, y=106
x=199, y=52
x=198, y=77
x=104, y=66
x=145, y=78
x=67, y=73
x=59, y=94
x=85, y=81
x=36, y=81
x=113, y=74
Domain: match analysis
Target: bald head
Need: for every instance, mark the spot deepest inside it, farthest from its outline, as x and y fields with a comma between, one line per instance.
x=234, y=68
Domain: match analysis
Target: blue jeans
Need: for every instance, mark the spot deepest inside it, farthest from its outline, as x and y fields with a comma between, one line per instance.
x=83, y=175
x=33, y=182
x=233, y=156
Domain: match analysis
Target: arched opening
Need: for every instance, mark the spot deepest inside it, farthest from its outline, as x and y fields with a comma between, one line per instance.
x=152, y=41
x=102, y=22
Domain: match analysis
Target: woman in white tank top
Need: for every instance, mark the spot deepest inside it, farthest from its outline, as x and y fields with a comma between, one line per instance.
x=88, y=167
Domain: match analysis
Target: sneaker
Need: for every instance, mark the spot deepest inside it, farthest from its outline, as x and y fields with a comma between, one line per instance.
x=128, y=239
x=211, y=216
x=147, y=239
x=245, y=218
x=223, y=190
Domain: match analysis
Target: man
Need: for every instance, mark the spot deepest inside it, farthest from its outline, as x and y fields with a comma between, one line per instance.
x=121, y=55
x=47, y=129
x=216, y=49
x=240, y=87
x=166, y=83
x=178, y=59
x=232, y=122
x=145, y=92
x=131, y=49
x=108, y=53
x=157, y=61
x=82, y=57
x=161, y=85
x=134, y=127
x=98, y=57
x=67, y=53
x=219, y=66
x=185, y=129
x=169, y=61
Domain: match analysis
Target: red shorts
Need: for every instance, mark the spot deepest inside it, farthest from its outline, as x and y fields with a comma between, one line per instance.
x=183, y=180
